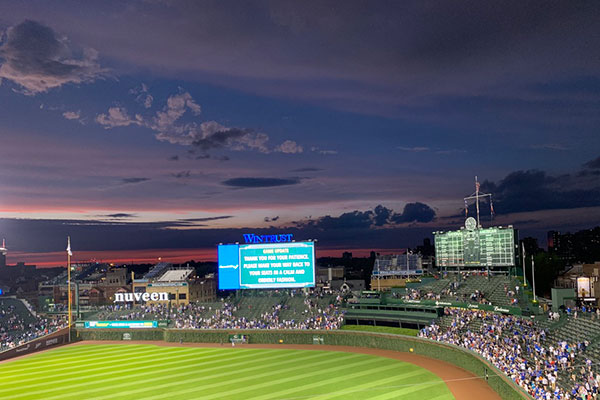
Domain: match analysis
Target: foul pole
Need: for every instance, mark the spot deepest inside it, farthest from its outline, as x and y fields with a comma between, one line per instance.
x=69, y=254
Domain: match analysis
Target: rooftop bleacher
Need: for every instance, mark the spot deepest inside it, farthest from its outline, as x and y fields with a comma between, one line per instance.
x=175, y=275
x=157, y=270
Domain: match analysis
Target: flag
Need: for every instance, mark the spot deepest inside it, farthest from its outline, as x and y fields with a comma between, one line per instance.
x=69, y=246
x=466, y=208
x=492, y=206
x=477, y=187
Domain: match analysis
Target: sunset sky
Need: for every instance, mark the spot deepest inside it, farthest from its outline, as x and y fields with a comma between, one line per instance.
x=149, y=129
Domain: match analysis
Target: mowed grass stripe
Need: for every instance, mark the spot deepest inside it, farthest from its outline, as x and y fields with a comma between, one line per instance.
x=445, y=396
x=246, y=373
x=163, y=374
x=71, y=360
x=76, y=366
x=43, y=358
x=121, y=377
x=373, y=385
x=401, y=393
x=79, y=350
x=217, y=373
x=55, y=378
x=341, y=381
x=270, y=374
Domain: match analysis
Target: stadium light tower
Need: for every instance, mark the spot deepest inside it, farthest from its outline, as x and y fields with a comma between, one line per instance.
x=476, y=196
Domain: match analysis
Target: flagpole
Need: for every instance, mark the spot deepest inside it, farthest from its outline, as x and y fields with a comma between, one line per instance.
x=477, y=200
x=69, y=282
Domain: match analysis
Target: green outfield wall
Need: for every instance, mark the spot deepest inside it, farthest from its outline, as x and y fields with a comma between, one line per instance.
x=455, y=355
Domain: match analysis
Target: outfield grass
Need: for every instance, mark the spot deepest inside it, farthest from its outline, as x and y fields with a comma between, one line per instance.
x=152, y=372
x=381, y=329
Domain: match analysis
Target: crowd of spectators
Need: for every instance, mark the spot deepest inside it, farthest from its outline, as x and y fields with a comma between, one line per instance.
x=461, y=288
x=16, y=328
x=228, y=315
x=519, y=348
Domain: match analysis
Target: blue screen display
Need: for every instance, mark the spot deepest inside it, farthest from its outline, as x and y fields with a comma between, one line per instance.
x=229, y=266
x=266, y=265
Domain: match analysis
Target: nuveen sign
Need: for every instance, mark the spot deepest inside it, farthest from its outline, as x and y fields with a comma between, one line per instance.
x=131, y=297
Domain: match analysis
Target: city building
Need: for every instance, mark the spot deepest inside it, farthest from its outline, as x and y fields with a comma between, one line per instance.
x=181, y=284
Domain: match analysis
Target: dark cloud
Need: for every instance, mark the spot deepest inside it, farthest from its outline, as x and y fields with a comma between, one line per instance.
x=174, y=158
x=207, y=219
x=307, y=169
x=182, y=174
x=219, y=138
x=37, y=60
x=118, y=215
x=593, y=164
x=134, y=180
x=380, y=216
x=214, y=136
x=28, y=235
x=535, y=190
x=414, y=212
x=268, y=219
x=588, y=172
x=261, y=182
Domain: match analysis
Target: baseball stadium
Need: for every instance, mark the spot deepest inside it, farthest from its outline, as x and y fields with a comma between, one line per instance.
x=270, y=324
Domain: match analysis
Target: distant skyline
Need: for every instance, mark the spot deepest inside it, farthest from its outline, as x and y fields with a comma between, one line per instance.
x=141, y=128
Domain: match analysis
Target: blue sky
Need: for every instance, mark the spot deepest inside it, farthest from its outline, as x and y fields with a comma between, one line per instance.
x=293, y=116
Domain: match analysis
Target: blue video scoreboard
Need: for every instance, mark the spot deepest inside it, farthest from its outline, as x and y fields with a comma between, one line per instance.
x=266, y=265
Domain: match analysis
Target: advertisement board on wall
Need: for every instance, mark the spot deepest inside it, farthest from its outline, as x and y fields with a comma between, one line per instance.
x=583, y=287
x=120, y=324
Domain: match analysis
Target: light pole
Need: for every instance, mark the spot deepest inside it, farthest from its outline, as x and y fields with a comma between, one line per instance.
x=533, y=278
x=523, y=261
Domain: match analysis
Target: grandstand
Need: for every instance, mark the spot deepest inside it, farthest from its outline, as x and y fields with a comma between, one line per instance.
x=18, y=325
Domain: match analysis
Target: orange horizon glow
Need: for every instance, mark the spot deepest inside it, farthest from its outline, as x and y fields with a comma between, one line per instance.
x=149, y=256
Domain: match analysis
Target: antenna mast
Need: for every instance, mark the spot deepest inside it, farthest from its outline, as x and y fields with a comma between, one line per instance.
x=476, y=196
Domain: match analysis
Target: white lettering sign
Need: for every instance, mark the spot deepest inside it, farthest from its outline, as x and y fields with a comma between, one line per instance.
x=140, y=297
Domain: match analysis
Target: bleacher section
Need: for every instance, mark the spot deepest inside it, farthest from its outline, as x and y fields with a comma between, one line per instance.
x=497, y=290
x=157, y=270
x=13, y=309
x=18, y=325
x=254, y=307
x=175, y=275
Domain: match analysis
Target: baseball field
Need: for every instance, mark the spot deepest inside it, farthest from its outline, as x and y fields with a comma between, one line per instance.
x=143, y=371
